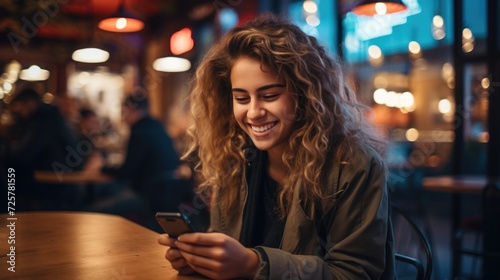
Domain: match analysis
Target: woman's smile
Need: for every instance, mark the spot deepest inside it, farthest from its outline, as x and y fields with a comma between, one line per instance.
x=263, y=127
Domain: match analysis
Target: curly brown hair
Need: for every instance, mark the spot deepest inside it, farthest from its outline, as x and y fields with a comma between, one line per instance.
x=329, y=120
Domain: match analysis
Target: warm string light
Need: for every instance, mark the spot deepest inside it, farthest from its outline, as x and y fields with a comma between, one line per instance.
x=412, y=134
x=438, y=29
x=415, y=50
x=311, y=13
x=445, y=108
x=414, y=47
x=375, y=56
x=9, y=78
x=485, y=83
x=468, y=40
x=448, y=75
x=403, y=101
x=310, y=6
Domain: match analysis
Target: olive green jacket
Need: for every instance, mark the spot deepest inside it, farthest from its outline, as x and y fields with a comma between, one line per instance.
x=359, y=234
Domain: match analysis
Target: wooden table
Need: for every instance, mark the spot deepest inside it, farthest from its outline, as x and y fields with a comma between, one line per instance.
x=79, y=245
x=456, y=185
x=74, y=177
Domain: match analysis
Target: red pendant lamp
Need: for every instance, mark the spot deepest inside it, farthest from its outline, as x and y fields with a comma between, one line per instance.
x=122, y=21
x=374, y=7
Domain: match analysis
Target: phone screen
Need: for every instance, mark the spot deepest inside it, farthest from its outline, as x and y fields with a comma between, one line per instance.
x=174, y=224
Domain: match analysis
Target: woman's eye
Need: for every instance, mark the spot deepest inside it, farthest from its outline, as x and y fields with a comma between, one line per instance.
x=241, y=99
x=271, y=96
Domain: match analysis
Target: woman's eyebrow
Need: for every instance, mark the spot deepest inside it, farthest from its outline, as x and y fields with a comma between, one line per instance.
x=260, y=88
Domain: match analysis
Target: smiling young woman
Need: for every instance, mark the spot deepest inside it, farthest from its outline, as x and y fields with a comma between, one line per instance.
x=264, y=109
x=297, y=186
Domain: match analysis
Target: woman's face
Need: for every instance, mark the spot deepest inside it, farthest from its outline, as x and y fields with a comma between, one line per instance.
x=262, y=105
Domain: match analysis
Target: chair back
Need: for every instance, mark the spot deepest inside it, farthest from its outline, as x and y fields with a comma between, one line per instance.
x=491, y=230
x=413, y=250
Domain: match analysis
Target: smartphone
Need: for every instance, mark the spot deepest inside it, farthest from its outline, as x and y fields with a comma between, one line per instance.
x=174, y=223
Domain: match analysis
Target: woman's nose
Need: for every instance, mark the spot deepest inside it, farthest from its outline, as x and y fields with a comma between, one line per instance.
x=255, y=110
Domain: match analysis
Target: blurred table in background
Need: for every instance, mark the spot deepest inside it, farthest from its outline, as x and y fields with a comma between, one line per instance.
x=89, y=179
x=456, y=185
x=74, y=177
x=78, y=245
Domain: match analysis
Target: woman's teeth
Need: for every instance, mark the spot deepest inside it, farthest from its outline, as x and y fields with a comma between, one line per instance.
x=264, y=127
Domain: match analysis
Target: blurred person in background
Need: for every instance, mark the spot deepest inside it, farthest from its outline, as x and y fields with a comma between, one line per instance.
x=149, y=168
x=89, y=135
x=68, y=106
x=40, y=139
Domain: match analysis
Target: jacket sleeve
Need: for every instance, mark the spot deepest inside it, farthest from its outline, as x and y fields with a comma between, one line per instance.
x=357, y=232
x=278, y=264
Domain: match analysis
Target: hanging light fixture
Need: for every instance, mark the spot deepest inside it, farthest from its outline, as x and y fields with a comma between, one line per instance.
x=171, y=64
x=34, y=73
x=89, y=53
x=378, y=7
x=121, y=21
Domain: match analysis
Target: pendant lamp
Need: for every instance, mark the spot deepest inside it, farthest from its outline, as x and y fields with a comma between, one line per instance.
x=374, y=7
x=90, y=55
x=171, y=64
x=89, y=52
x=121, y=21
x=34, y=73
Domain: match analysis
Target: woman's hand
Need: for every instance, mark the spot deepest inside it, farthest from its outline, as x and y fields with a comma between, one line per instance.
x=217, y=255
x=174, y=256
